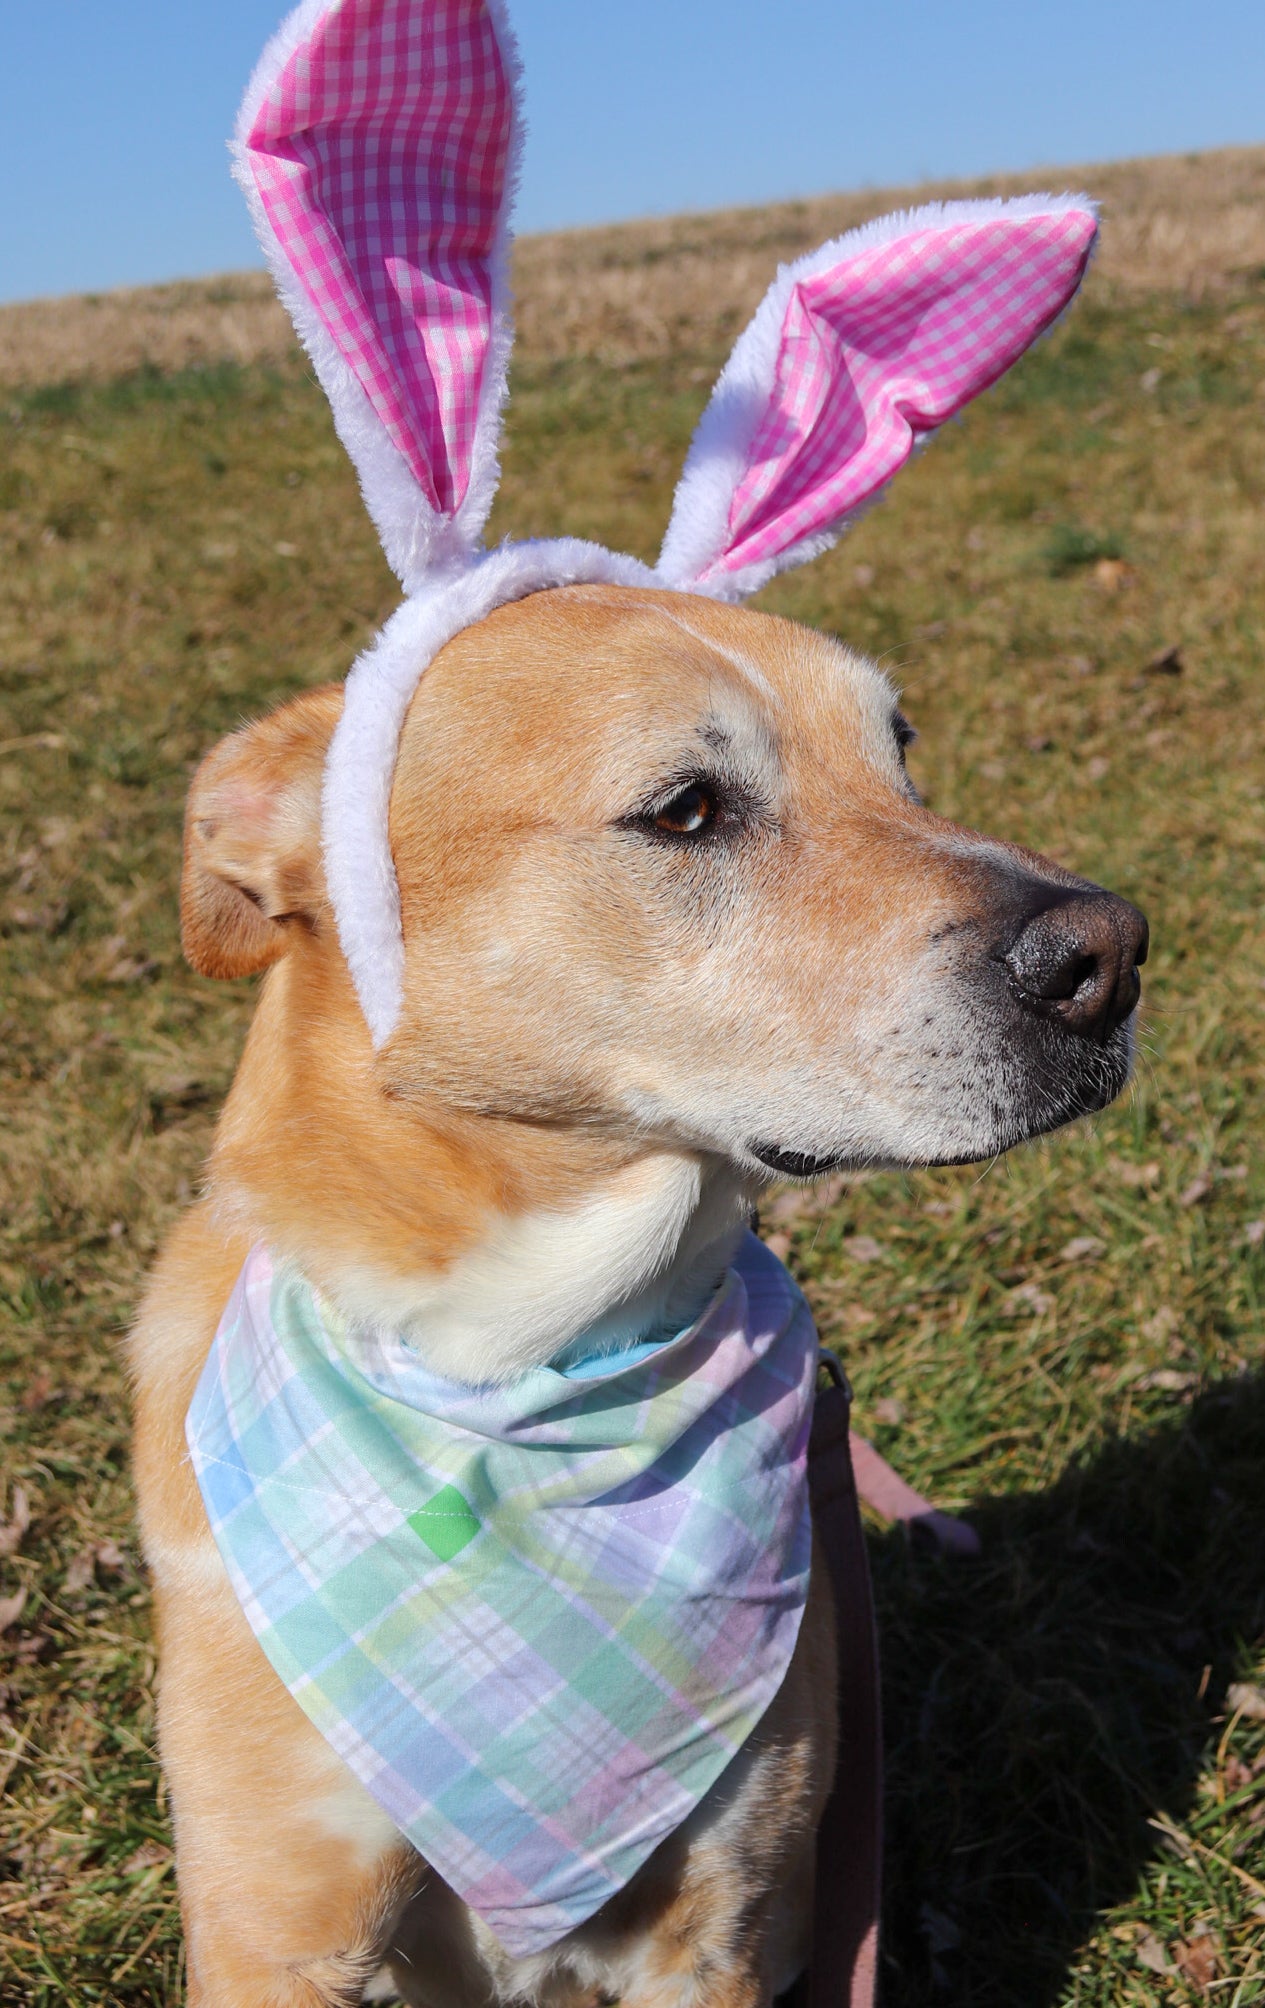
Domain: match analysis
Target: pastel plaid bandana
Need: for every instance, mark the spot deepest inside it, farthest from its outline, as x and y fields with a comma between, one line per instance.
x=536, y=1621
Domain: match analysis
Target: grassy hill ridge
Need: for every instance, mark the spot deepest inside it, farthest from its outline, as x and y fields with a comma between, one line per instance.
x=1186, y=223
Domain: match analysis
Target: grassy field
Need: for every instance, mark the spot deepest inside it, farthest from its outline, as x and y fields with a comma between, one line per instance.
x=1071, y=587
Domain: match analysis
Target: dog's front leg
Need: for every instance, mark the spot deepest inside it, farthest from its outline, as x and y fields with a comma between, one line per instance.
x=290, y=1875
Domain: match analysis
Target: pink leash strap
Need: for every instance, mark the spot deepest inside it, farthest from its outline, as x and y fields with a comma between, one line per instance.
x=843, y=1970
x=884, y=1490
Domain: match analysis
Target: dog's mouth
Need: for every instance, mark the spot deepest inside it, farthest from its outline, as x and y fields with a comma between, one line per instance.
x=1066, y=1079
x=794, y=1163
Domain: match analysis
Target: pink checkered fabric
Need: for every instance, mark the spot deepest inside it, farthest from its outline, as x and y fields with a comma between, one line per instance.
x=883, y=347
x=380, y=156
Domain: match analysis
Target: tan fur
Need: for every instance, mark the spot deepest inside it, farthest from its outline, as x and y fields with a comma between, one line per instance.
x=581, y=1016
x=251, y=867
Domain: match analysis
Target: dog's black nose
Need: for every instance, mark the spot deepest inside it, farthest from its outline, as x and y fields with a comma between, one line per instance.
x=1077, y=959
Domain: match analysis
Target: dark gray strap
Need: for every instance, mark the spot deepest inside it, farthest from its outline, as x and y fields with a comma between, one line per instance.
x=844, y=1963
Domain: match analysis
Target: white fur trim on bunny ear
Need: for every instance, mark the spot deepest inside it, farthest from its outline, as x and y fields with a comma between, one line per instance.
x=378, y=147
x=359, y=871
x=857, y=352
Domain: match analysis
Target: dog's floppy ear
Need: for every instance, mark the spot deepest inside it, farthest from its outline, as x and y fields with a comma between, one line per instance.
x=252, y=839
x=856, y=353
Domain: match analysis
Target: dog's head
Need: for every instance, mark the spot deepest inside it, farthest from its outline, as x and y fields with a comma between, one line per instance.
x=663, y=876
x=582, y=855
x=381, y=192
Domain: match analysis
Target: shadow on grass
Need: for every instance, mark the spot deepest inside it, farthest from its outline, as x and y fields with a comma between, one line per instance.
x=1045, y=1701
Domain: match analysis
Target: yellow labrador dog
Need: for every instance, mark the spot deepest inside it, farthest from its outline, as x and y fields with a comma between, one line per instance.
x=573, y=942
x=698, y=929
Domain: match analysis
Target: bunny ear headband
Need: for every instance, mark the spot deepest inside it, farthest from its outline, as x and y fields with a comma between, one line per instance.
x=378, y=149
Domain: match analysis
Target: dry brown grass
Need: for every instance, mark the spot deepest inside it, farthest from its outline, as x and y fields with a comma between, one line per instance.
x=92, y=337
x=1185, y=223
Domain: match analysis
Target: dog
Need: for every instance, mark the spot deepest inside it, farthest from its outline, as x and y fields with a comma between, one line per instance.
x=654, y=916
x=615, y=1028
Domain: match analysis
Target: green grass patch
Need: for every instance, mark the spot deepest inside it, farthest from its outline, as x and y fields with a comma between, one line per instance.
x=1068, y=546
x=1068, y=1343
x=187, y=390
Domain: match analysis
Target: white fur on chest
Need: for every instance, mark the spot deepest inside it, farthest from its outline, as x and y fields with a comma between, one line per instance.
x=641, y=1257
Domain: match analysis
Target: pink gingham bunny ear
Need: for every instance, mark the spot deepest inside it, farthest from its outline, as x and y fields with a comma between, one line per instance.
x=377, y=148
x=856, y=353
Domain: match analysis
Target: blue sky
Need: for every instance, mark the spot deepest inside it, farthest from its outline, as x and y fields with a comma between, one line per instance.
x=113, y=117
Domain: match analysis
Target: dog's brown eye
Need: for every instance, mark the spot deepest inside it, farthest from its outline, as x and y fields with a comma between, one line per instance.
x=687, y=813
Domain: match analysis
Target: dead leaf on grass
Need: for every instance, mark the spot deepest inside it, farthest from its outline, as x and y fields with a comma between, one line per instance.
x=117, y=962
x=130, y=969
x=13, y=1530
x=1196, y=1959
x=889, y=1410
x=1113, y=575
x=11, y=1608
x=81, y=1572
x=1246, y=1700
x=1029, y=1297
x=1149, y=1952
x=110, y=1556
x=1254, y=1233
x=862, y=1247
x=1196, y=1191
x=48, y=919
x=1082, y=1248
x=1162, y=1324
x=1167, y=1379
x=1135, y=1174
x=38, y=1392
x=149, y=1855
